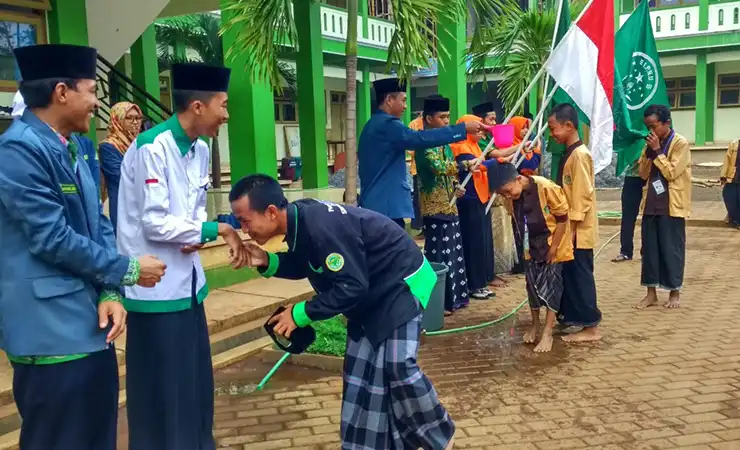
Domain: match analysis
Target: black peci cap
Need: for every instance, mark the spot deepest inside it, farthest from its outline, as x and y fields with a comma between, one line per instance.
x=483, y=109
x=55, y=61
x=388, y=86
x=436, y=103
x=200, y=77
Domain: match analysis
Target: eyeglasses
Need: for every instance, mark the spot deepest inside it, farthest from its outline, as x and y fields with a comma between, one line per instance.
x=134, y=119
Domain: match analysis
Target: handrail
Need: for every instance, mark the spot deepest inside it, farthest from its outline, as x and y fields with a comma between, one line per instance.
x=138, y=89
x=125, y=87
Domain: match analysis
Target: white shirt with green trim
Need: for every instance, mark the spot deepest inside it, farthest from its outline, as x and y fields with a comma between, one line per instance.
x=161, y=209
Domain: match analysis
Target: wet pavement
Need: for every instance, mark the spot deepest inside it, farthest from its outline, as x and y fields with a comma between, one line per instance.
x=660, y=379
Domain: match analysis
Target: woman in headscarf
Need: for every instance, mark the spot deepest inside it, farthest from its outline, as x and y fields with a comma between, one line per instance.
x=475, y=224
x=123, y=127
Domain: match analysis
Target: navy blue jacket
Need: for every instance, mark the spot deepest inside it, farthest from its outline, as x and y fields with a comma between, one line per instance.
x=57, y=249
x=357, y=261
x=382, y=156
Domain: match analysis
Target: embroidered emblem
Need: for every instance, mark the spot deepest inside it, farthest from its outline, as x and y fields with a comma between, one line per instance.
x=567, y=180
x=68, y=188
x=335, y=262
x=547, y=210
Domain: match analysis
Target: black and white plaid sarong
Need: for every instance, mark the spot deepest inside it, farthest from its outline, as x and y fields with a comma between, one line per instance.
x=388, y=403
x=544, y=284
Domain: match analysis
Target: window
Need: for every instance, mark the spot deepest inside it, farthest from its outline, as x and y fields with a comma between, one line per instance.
x=728, y=90
x=672, y=3
x=657, y=24
x=339, y=98
x=673, y=22
x=681, y=92
x=721, y=17
x=736, y=16
x=687, y=21
x=19, y=27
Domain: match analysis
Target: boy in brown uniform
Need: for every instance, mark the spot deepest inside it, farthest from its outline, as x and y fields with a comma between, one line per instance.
x=539, y=207
x=576, y=176
x=666, y=165
x=730, y=179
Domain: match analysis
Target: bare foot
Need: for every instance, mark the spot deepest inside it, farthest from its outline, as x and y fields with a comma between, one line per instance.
x=531, y=335
x=545, y=344
x=498, y=282
x=674, y=300
x=448, y=313
x=450, y=444
x=590, y=334
x=648, y=301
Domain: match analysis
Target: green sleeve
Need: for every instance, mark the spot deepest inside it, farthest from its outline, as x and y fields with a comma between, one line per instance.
x=209, y=232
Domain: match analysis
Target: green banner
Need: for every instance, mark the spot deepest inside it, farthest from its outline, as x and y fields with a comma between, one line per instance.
x=638, y=84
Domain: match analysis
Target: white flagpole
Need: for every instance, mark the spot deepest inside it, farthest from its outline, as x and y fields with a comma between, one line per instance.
x=523, y=96
x=524, y=141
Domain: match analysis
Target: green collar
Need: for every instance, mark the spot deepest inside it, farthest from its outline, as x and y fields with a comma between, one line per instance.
x=184, y=143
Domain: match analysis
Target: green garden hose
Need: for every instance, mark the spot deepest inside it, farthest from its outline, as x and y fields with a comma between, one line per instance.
x=505, y=316
x=277, y=365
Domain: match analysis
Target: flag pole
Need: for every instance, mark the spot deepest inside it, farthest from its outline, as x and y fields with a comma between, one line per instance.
x=526, y=136
x=489, y=147
x=519, y=102
x=552, y=47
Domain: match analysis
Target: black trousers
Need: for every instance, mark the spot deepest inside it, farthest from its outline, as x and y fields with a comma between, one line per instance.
x=663, y=251
x=631, y=198
x=477, y=241
x=169, y=380
x=68, y=406
x=578, y=306
x=417, y=223
x=731, y=196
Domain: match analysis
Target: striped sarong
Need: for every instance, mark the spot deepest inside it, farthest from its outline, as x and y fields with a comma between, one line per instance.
x=544, y=284
x=387, y=402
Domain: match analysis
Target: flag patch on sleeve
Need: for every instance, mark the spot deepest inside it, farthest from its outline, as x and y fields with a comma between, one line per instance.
x=151, y=181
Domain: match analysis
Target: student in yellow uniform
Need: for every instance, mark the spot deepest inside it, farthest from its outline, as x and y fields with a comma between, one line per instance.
x=730, y=179
x=576, y=177
x=539, y=207
x=665, y=164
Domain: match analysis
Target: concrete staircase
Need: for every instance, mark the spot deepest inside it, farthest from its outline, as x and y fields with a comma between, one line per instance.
x=236, y=314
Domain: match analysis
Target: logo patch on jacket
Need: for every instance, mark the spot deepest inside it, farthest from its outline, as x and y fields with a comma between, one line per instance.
x=567, y=180
x=68, y=188
x=335, y=262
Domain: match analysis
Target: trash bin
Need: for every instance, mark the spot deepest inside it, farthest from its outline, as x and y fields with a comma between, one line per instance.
x=433, y=318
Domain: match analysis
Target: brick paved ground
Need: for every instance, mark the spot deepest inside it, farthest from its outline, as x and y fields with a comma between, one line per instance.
x=659, y=380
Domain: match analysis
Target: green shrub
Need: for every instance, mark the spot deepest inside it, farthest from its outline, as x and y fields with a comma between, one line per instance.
x=331, y=337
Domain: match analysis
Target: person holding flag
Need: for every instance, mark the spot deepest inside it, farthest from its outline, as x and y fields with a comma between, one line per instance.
x=642, y=84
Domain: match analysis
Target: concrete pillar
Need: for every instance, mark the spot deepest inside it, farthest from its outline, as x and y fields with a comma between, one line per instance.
x=311, y=101
x=704, y=117
x=67, y=22
x=252, y=116
x=703, y=15
x=145, y=68
x=451, y=66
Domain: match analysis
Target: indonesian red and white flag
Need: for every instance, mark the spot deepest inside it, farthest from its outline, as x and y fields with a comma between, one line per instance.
x=583, y=65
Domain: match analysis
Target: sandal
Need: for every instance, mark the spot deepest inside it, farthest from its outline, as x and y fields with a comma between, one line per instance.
x=621, y=258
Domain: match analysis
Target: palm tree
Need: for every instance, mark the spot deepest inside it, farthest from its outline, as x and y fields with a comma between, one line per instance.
x=519, y=42
x=409, y=49
x=200, y=33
